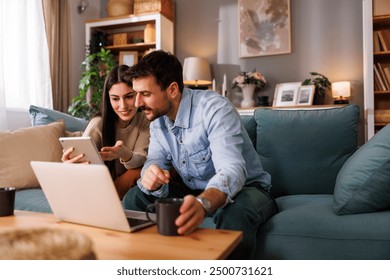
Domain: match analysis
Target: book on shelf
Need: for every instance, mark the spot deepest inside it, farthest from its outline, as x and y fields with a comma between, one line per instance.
x=381, y=83
x=382, y=41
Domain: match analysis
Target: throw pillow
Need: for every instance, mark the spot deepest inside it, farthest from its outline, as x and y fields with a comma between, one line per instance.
x=363, y=183
x=21, y=146
x=42, y=116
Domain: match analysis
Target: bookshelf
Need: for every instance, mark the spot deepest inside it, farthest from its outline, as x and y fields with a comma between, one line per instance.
x=381, y=61
x=129, y=30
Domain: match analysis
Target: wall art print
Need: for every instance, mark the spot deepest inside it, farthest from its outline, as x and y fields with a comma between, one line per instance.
x=264, y=27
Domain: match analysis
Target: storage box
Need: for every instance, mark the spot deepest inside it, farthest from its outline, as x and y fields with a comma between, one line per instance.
x=165, y=7
x=119, y=39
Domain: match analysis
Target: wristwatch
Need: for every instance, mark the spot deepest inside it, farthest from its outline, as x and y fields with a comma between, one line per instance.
x=205, y=204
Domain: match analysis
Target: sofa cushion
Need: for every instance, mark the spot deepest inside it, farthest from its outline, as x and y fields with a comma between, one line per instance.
x=21, y=146
x=363, y=183
x=307, y=228
x=304, y=149
x=250, y=126
x=41, y=116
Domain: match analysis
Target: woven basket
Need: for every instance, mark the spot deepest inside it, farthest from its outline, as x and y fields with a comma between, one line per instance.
x=165, y=7
x=382, y=116
x=45, y=244
x=116, y=8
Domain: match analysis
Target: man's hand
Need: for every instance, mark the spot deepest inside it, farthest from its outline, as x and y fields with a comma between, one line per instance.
x=154, y=177
x=192, y=212
x=117, y=151
x=76, y=159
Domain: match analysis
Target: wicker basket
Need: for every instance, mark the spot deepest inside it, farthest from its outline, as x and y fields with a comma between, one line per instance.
x=45, y=244
x=116, y=8
x=382, y=116
x=165, y=7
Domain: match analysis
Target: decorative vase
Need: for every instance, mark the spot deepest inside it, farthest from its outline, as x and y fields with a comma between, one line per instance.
x=247, y=93
x=149, y=33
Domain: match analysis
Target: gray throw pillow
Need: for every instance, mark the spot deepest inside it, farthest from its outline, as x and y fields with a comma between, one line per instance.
x=363, y=183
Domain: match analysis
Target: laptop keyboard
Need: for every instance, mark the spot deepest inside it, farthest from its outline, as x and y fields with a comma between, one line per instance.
x=135, y=222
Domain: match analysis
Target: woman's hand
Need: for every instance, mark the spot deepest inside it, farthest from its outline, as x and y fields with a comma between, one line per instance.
x=76, y=159
x=117, y=151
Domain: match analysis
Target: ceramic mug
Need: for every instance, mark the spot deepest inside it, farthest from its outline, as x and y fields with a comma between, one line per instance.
x=7, y=201
x=167, y=210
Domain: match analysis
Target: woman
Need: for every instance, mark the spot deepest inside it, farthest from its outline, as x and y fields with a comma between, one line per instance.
x=119, y=130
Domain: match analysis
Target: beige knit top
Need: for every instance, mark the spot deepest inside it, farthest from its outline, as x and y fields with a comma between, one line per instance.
x=135, y=137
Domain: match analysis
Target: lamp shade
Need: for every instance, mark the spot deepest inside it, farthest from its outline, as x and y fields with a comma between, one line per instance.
x=196, y=71
x=341, y=89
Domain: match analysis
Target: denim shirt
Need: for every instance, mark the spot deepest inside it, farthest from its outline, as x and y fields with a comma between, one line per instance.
x=207, y=145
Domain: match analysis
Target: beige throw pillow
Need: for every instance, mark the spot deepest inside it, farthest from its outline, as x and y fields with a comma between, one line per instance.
x=19, y=147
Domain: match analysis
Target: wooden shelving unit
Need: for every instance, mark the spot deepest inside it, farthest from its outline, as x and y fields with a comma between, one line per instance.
x=134, y=26
x=381, y=58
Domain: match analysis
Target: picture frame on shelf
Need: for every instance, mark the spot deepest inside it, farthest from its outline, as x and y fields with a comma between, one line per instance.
x=305, y=95
x=128, y=58
x=286, y=94
x=259, y=17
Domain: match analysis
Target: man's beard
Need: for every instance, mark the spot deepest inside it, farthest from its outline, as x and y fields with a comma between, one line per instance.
x=153, y=114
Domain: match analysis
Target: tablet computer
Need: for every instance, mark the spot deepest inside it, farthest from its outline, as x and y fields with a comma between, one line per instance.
x=82, y=145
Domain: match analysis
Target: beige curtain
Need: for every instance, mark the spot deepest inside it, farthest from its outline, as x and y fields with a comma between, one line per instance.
x=57, y=22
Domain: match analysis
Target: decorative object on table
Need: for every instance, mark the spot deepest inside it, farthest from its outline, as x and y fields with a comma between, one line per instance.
x=248, y=82
x=129, y=58
x=149, y=33
x=117, y=8
x=196, y=72
x=286, y=94
x=305, y=95
x=44, y=243
x=96, y=66
x=341, y=91
x=321, y=84
x=164, y=7
x=264, y=27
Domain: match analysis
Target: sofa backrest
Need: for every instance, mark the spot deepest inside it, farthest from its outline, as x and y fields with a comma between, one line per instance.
x=304, y=149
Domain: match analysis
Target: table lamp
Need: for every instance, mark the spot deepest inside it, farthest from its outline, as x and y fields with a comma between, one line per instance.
x=196, y=73
x=341, y=91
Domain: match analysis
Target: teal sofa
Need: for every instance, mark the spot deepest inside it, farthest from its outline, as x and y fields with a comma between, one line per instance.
x=333, y=198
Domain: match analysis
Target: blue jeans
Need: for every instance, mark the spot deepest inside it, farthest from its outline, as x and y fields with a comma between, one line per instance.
x=251, y=208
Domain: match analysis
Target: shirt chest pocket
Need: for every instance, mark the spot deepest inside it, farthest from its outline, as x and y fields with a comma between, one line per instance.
x=201, y=164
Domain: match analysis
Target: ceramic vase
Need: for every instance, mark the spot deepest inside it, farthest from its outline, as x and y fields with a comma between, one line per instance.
x=247, y=94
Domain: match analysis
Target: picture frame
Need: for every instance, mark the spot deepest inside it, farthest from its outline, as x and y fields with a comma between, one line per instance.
x=305, y=95
x=286, y=94
x=128, y=58
x=264, y=27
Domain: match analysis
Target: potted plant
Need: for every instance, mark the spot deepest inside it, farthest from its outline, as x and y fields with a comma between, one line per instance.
x=96, y=66
x=321, y=84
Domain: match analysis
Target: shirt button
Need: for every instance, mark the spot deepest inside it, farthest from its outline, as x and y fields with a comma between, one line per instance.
x=183, y=162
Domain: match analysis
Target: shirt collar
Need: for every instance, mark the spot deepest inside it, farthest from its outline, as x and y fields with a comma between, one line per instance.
x=184, y=111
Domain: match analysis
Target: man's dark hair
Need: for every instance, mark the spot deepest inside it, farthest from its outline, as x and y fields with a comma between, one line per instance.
x=163, y=66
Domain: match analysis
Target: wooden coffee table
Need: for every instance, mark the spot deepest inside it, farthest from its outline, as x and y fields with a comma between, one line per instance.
x=140, y=245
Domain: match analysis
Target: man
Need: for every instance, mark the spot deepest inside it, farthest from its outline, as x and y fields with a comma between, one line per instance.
x=199, y=134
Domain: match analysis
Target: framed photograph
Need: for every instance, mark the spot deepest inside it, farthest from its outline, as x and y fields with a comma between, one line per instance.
x=128, y=58
x=306, y=95
x=286, y=94
x=264, y=27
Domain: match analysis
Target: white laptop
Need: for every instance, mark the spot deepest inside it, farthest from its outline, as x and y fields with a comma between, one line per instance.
x=86, y=194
